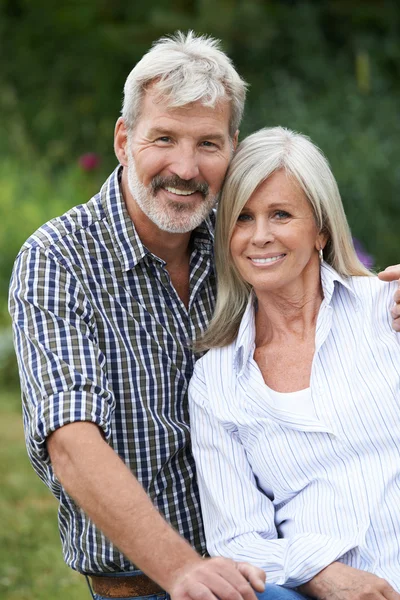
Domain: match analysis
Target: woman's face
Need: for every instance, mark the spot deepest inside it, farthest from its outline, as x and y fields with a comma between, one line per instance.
x=275, y=241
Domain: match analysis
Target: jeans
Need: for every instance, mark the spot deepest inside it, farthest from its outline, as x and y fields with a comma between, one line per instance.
x=271, y=592
x=276, y=592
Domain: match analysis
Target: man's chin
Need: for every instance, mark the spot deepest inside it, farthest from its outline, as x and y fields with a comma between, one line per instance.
x=174, y=216
x=178, y=223
x=174, y=227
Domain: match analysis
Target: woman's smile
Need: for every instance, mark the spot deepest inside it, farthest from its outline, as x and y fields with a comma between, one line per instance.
x=262, y=261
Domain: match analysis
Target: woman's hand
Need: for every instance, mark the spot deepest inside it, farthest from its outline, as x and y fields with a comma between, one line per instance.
x=340, y=582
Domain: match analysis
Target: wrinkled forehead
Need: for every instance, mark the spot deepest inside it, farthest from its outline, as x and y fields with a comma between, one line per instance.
x=156, y=94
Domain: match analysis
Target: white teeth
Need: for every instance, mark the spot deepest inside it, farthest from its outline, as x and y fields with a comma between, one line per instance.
x=263, y=261
x=178, y=192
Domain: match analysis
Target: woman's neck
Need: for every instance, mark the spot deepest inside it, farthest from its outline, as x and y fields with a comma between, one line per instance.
x=288, y=312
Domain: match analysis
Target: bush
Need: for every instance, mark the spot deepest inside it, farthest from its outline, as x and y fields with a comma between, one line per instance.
x=327, y=69
x=31, y=197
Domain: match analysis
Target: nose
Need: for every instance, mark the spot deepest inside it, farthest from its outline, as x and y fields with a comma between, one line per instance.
x=262, y=233
x=185, y=164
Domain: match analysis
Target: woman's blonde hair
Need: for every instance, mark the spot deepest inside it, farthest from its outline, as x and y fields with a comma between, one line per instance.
x=256, y=159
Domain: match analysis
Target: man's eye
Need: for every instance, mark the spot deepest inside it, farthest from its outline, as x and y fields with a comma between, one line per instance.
x=208, y=144
x=164, y=138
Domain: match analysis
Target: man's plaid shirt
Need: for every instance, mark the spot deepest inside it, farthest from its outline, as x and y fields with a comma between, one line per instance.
x=102, y=336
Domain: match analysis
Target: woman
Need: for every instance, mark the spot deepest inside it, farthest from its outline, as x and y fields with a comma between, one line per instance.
x=295, y=411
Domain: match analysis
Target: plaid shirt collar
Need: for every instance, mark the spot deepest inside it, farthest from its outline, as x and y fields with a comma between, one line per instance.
x=127, y=242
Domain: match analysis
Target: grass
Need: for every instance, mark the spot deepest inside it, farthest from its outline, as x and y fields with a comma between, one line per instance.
x=31, y=564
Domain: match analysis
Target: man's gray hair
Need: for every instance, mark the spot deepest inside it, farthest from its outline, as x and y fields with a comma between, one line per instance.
x=186, y=68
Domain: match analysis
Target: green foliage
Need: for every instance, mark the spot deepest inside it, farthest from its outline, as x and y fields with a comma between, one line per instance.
x=29, y=198
x=31, y=564
x=362, y=146
x=327, y=69
x=331, y=71
x=8, y=365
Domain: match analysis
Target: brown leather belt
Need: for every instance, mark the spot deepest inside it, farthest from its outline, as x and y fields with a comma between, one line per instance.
x=120, y=587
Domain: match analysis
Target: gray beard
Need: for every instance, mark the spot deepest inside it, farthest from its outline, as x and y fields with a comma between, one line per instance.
x=175, y=217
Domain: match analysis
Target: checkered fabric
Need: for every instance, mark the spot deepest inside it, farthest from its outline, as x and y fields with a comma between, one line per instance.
x=102, y=336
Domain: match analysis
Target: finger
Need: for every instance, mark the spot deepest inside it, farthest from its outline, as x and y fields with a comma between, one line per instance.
x=230, y=572
x=390, y=273
x=389, y=593
x=216, y=586
x=395, y=311
x=396, y=296
x=396, y=325
x=245, y=587
x=202, y=591
x=255, y=576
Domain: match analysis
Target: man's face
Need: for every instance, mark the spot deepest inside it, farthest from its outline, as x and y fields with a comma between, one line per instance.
x=177, y=160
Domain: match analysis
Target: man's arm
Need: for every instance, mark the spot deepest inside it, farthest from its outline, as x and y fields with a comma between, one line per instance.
x=391, y=274
x=340, y=582
x=68, y=409
x=100, y=483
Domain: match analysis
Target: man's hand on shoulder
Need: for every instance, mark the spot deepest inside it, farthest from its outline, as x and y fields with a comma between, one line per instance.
x=340, y=582
x=221, y=578
x=393, y=274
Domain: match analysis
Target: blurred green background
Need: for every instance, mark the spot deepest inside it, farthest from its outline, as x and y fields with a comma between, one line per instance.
x=330, y=69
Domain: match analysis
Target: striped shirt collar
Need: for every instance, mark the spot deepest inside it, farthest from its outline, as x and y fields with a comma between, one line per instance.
x=244, y=344
x=127, y=242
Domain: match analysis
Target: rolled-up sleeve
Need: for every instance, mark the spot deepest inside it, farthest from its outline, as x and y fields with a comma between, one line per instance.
x=239, y=518
x=62, y=368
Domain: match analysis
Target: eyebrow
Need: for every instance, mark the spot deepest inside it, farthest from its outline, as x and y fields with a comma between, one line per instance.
x=281, y=204
x=216, y=137
x=161, y=131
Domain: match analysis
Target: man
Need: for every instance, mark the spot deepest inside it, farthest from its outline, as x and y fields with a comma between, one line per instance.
x=105, y=301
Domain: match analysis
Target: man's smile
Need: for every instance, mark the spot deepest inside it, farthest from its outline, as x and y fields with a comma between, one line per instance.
x=180, y=187
x=179, y=192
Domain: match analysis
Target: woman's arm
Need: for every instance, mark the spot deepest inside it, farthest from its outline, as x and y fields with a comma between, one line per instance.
x=239, y=518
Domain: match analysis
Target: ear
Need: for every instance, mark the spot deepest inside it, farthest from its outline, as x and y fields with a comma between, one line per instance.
x=235, y=139
x=121, y=142
x=321, y=241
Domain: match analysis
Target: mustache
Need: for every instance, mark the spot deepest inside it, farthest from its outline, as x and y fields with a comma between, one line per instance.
x=187, y=185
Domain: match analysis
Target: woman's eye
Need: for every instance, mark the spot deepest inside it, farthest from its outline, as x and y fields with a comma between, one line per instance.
x=281, y=214
x=244, y=217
